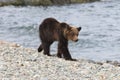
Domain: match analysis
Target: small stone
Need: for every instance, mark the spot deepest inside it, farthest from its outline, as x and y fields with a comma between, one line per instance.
x=22, y=65
x=3, y=67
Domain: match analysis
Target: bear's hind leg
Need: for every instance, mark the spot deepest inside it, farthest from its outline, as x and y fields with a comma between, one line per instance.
x=40, y=48
x=59, y=53
x=46, y=47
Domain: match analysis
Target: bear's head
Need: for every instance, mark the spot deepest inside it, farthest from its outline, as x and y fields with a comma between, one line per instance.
x=70, y=32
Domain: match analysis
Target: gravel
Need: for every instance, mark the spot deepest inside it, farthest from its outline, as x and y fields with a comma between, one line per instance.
x=19, y=63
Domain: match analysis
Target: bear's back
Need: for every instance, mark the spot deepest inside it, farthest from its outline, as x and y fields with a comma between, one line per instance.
x=49, y=24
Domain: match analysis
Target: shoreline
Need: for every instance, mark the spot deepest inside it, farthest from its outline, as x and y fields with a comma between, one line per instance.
x=17, y=62
x=41, y=2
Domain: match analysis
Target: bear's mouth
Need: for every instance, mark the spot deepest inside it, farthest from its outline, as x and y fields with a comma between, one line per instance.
x=76, y=40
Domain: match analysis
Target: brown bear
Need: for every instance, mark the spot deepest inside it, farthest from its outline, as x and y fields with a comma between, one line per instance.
x=51, y=30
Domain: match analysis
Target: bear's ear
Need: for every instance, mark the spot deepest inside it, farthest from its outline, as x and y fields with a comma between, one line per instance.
x=79, y=28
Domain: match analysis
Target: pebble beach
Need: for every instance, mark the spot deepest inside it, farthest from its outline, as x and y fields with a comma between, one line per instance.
x=19, y=63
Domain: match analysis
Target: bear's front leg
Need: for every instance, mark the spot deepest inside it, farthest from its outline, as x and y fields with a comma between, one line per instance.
x=67, y=55
x=63, y=49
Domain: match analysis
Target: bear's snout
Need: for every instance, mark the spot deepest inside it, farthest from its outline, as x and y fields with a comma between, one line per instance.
x=76, y=40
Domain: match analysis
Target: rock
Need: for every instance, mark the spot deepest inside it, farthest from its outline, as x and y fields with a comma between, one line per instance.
x=115, y=63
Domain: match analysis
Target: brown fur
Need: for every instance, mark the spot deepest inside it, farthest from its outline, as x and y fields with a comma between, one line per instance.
x=51, y=30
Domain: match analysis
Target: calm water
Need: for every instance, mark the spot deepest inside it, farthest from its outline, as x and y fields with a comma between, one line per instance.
x=100, y=22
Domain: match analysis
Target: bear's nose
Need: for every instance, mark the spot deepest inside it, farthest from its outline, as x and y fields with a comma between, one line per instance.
x=76, y=40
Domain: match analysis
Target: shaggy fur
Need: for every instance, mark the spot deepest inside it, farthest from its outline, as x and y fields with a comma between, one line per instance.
x=51, y=30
